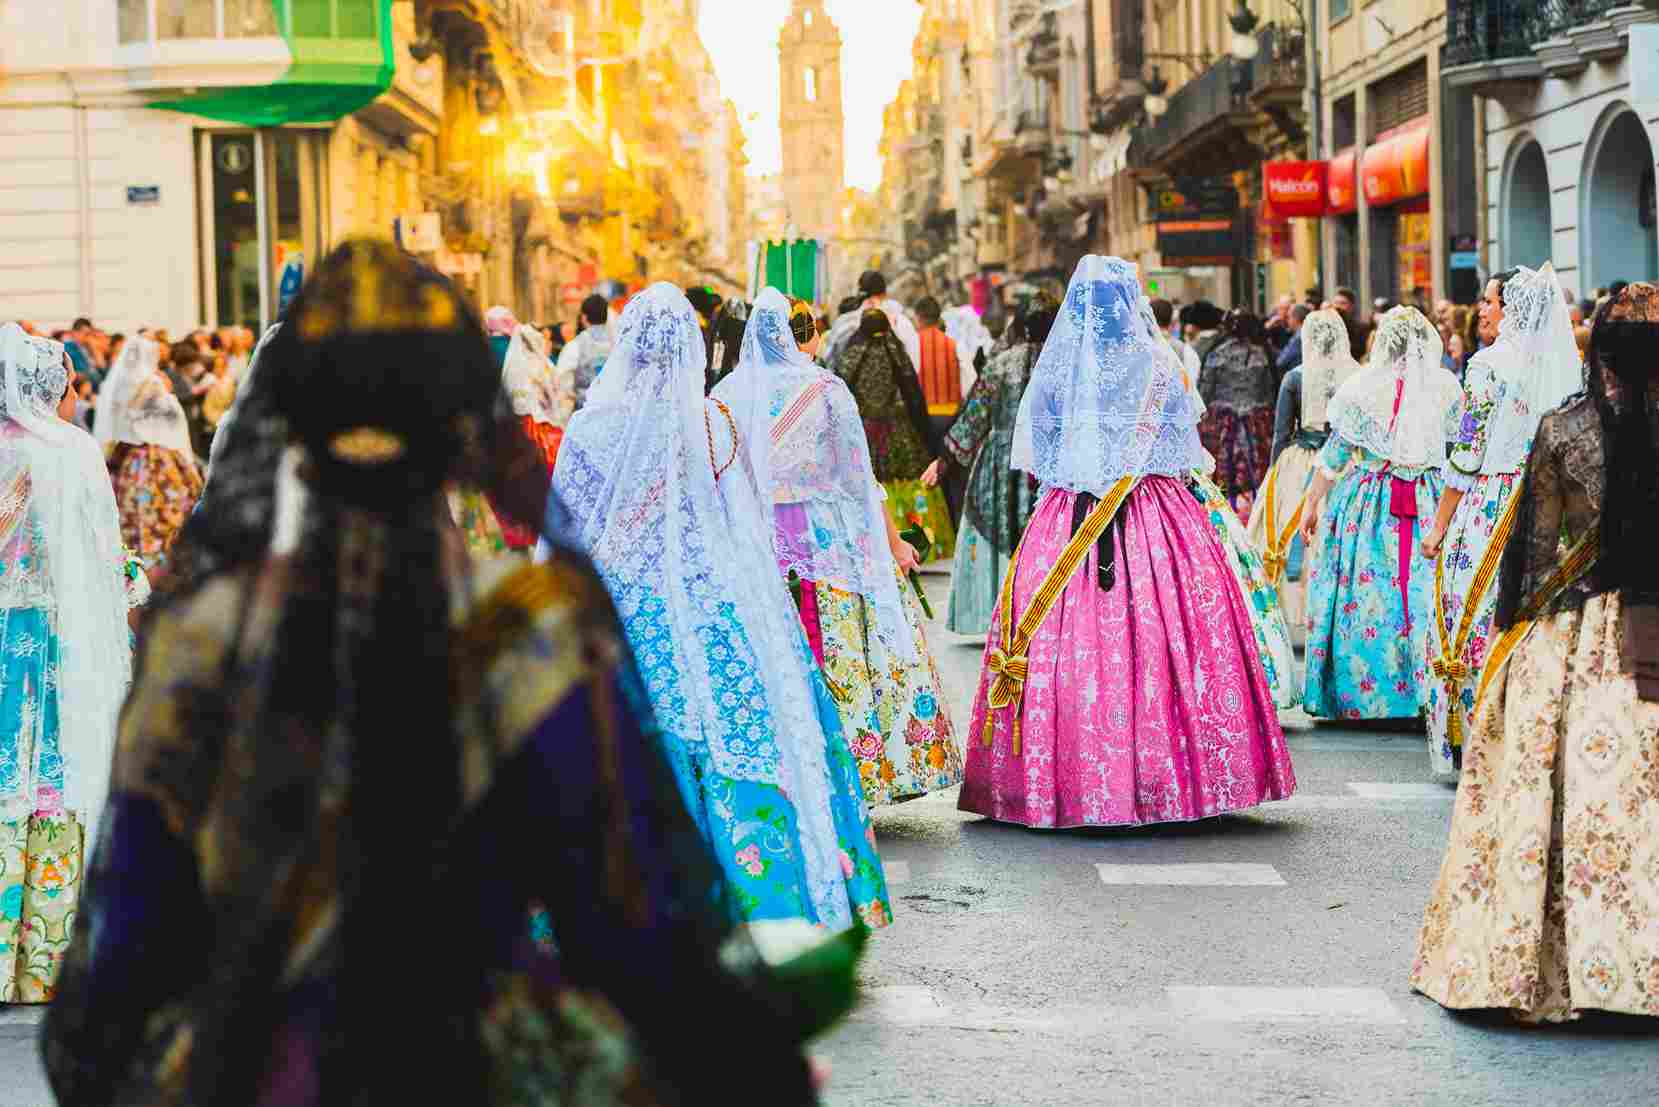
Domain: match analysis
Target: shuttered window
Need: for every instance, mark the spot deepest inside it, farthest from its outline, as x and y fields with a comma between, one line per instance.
x=1399, y=98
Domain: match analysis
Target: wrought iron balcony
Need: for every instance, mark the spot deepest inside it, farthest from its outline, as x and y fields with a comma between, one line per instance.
x=1490, y=43
x=1215, y=121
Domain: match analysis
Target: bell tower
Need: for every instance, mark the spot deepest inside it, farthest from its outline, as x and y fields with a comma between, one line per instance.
x=814, y=155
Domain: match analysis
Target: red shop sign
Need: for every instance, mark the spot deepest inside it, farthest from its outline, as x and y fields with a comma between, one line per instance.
x=1296, y=189
x=1396, y=166
x=1340, y=184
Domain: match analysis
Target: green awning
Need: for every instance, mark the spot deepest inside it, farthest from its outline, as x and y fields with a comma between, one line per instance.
x=342, y=60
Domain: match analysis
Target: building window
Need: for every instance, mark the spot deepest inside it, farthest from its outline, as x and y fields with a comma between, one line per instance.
x=1340, y=9
x=811, y=85
x=163, y=20
x=807, y=17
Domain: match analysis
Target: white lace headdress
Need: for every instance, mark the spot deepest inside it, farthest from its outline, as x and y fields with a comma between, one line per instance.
x=1403, y=406
x=63, y=489
x=688, y=559
x=806, y=442
x=1107, y=398
x=1327, y=361
x=527, y=377
x=1535, y=359
x=136, y=407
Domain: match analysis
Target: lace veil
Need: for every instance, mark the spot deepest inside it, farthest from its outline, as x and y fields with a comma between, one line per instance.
x=527, y=377
x=1403, y=406
x=1534, y=362
x=1107, y=398
x=135, y=407
x=1327, y=361
x=802, y=432
x=61, y=487
x=688, y=559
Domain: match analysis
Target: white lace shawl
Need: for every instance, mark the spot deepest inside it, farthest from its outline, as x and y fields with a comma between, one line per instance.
x=1108, y=397
x=1403, y=406
x=689, y=562
x=527, y=377
x=808, y=447
x=1327, y=361
x=1531, y=367
x=137, y=406
x=69, y=500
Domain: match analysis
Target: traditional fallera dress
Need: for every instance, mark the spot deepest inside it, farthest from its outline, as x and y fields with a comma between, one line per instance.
x=807, y=445
x=889, y=395
x=654, y=484
x=1239, y=390
x=1122, y=682
x=1547, y=902
x=146, y=440
x=65, y=661
x=1532, y=367
x=998, y=501
x=1370, y=589
x=1276, y=516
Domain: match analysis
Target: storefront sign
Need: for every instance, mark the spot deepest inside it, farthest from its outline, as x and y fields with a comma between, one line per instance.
x=1198, y=242
x=1396, y=166
x=1296, y=189
x=1195, y=198
x=1339, y=188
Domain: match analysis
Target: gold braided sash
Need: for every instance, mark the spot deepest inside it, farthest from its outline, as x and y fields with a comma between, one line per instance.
x=1449, y=667
x=1279, y=540
x=1008, y=662
x=1577, y=562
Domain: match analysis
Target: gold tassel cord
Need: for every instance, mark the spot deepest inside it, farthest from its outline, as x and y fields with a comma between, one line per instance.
x=1007, y=661
x=1279, y=538
x=1450, y=668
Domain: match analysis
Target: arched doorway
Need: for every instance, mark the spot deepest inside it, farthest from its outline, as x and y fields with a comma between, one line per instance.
x=1617, y=203
x=1528, y=230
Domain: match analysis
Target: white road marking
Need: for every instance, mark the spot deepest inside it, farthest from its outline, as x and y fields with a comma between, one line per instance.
x=1283, y=1004
x=902, y=1003
x=1200, y=874
x=1396, y=790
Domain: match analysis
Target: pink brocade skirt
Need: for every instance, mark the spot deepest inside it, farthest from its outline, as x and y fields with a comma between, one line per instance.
x=1144, y=704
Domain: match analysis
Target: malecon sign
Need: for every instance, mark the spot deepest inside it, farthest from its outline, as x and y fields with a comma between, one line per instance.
x=1296, y=189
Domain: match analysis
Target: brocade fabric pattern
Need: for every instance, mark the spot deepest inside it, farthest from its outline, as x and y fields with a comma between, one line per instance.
x=156, y=489
x=999, y=499
x=1367, y=651
x=1144, y=704
x=1547, y=902
x=889, y=396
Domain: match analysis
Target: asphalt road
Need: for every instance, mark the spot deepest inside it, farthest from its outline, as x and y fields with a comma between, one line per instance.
x=1015, y=974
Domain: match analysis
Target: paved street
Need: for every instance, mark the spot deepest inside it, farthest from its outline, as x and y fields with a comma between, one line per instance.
x=1254, y=959
x=1268, y=967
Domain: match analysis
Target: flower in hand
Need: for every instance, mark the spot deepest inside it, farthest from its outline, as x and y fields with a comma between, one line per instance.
x=905, y=554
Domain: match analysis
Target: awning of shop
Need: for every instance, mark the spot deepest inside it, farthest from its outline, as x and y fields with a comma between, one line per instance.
x=1340, y=184
x=1296, y=189
x=1396, y=166
x=341, y=53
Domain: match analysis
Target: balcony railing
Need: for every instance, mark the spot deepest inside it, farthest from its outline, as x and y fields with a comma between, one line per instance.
x=1230, y=87
x=1220, y=90
x=1491, y=30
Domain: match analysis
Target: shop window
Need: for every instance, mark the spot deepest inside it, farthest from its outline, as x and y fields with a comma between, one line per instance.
x=1347, y=252
x=165, y=20
x=262, y=219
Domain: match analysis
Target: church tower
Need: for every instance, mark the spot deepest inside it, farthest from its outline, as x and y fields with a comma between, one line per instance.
x=814, y=155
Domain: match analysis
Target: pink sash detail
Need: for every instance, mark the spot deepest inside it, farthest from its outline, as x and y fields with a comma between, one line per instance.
x=1402, y=504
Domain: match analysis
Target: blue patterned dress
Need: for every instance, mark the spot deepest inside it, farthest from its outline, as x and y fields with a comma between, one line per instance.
x=1367, y=650
x=751, y=825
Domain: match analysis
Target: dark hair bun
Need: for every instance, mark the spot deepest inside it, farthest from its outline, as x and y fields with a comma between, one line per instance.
x=874, y=323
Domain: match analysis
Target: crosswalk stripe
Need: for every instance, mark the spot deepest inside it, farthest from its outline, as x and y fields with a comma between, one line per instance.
x=1197, y=874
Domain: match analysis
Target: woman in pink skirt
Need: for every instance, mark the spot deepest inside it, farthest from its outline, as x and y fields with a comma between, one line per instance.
x=1122, y=683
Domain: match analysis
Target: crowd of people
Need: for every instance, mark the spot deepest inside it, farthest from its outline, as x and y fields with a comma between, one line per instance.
x=636, y=618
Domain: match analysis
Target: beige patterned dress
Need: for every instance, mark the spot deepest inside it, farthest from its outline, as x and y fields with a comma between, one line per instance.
x=1547, y=902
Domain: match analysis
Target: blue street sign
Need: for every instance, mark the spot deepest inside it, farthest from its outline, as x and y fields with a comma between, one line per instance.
x=293, y=276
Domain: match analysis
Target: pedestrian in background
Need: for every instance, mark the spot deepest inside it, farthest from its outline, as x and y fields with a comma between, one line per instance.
x=1239, y=390
x=145, y=434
